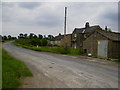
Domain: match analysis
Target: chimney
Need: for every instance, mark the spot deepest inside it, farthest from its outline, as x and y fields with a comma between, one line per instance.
x=106, y=28
x=87, y=25
x=59, y=34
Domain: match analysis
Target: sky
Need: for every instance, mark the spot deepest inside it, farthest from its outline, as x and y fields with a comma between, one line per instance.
x=48, y=17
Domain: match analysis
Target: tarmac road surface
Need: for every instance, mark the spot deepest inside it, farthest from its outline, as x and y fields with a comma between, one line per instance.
x=63, y=71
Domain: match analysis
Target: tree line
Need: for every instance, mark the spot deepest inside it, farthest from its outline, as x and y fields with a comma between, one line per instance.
x=26, y=36
x=33, y=39
x=9, y=37
x=32, y=35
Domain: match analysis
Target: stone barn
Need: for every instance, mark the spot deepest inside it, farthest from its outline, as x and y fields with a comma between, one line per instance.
x=101, y=43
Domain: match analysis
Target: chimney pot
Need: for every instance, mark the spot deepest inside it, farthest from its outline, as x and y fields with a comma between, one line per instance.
x=59, y=34
x=106, y=28
x=87, y=25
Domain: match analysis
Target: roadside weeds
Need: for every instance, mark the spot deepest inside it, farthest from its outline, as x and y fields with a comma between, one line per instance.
x=13, y=71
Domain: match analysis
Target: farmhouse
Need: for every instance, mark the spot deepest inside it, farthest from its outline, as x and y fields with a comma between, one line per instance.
x=80, y=34
x=62, y=40
x=57, y=40
x=101, y=43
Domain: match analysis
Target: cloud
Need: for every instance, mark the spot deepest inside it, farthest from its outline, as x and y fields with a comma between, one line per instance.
x=48, y=18
x=8, y=4
x=111, y=15
x=29, y=5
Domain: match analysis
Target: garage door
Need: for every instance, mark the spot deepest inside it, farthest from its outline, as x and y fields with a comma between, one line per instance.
x=102, y=48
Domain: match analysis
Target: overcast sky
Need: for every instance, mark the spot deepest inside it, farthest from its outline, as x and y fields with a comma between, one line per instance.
x=48, y=18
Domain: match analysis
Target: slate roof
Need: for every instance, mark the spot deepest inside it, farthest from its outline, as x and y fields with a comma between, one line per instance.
x=110, y=35
x=56, y=38
x=59, y=37
x=86, y=30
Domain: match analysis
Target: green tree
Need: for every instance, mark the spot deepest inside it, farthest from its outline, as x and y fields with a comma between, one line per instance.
x=21, y=35
x=0, y=37
x=35, y=36
x=50, y=37
x=40, y=36
x=9, y=37
x=25, y=35
x=4, y=37
x=44, y=42
x=31, y=35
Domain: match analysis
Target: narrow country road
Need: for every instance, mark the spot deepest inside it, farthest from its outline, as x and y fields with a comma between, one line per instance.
x=63, y=71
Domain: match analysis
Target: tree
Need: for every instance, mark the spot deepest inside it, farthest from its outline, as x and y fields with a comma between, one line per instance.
x=40, y=36
x=31, y=35
x=21, y=35
x=13, y=38
x=0, y=37
x=4, y=37
x=44, y=42
x=25, y=35
x=50, y=37
x=44, y=37
x=9, y=37
x=35, y=36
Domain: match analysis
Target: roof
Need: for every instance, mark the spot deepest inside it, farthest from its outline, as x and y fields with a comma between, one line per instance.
x=86, y=30
x=114, y=36
x=59, y=37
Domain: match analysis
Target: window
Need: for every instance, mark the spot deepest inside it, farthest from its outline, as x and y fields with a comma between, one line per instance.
x=85, y=36
x=85, y=50
x=55, y=42
x=94, y=35
x=75, y=35
x=51, y=42
x=58, y=42
x=83, y=31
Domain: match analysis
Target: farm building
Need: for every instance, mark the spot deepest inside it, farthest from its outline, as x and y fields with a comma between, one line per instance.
x=80, y=34
x=57, y=40
x=101, y=43
x=60, y=40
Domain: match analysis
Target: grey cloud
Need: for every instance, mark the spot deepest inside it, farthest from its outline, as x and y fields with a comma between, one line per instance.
x=113, y=16
x=29, y=5
x=53, y=17
x=50, y=20
x=8, y=4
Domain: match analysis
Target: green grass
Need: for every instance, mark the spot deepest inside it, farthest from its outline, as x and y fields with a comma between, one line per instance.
x=0, y=66
x=59, y=50
x=13, y=71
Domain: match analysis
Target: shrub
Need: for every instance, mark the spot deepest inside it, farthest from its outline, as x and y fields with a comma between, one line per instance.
x=44, y=42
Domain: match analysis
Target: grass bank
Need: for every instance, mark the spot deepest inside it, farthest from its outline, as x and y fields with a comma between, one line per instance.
x=59, y=50
x=13, y=71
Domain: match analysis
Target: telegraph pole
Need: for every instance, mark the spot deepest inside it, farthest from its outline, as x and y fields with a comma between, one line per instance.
x=65, y=26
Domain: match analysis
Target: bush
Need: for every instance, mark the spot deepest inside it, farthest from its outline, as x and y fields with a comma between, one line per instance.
x=33, y=42
x=44, y=42
x=64, y=50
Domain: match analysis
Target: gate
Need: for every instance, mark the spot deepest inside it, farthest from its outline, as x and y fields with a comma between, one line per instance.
x=102, y=48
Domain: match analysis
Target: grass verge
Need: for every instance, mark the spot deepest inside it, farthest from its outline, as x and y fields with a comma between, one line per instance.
x=59, y=50
x=12, y=71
